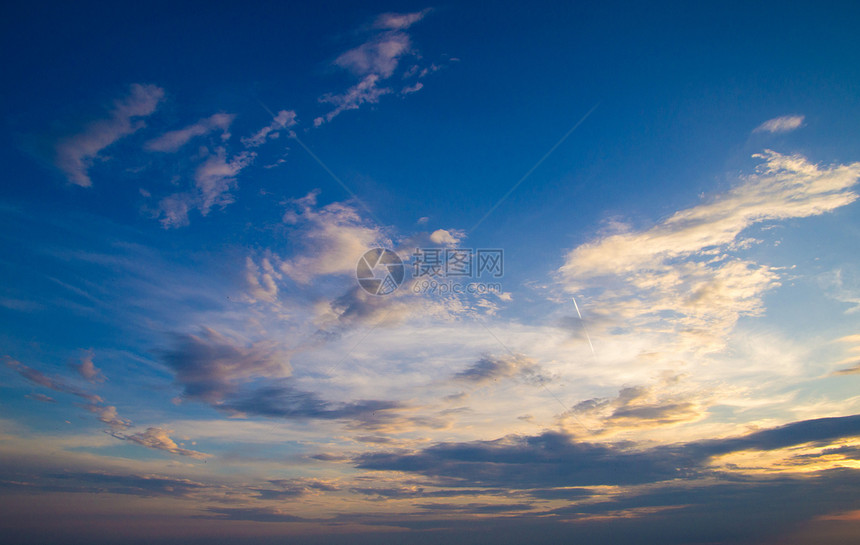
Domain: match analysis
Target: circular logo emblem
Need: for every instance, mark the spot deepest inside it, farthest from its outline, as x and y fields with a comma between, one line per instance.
x=379, y=271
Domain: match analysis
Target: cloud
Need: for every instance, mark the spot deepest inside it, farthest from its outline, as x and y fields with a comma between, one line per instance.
x=159, y=439
x=282, y=489
x=108, y=415
x=281, y=399
x=843, y=285
x=554, y=459
x=54, y=383
x=680, y=277
x=284, y=119
x=409, y=89
x=639, y=407
x=76, y=154
x=489, y=368
x=785, y=123
x=92, y=482
x=853, y=359
x=399, y=21
x=372, y=62
x=549, y=459
x=449, y=238
x=331, y=238
x=216, y=176
x=379, y=56
x=364, y=92
x=254, y=514
x=213, y=179
x=262, y=280
x=252, y=379
x=855, y=369
x=210, y=366
x=88, y=370
x=171, y=141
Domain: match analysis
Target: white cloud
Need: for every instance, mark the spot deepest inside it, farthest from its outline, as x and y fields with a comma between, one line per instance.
x=448, y=238
x=785, y=123
x=680, y=279
x=173, y=140
x=334, y=237
x=75, y=154
x=284, y=119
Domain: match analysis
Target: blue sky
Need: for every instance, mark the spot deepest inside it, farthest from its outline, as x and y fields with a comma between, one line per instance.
x=670, y=356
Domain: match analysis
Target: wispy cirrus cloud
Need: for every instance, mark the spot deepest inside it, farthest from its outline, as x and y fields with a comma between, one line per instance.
x=786, y=123
x=284, y=120
x=214, y=178
x=95, y=404
x=77, y=153
x=373, y=62
x=54, y=383
x=172, y=141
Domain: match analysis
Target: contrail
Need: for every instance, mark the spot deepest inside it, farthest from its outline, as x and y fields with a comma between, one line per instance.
x=584, y=328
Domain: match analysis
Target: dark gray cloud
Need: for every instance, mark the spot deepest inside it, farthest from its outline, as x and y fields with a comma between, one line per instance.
x=820, y=430
x=549, y=459
x=478, y=508
x=554, y=459
x=853, y=370
x=210, y=366
x=251, y=379
x=94, y=482
x=400, y=492
x=283, y=400
x=490, y=368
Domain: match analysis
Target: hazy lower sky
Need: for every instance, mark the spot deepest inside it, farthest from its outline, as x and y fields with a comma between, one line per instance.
x=393, y=272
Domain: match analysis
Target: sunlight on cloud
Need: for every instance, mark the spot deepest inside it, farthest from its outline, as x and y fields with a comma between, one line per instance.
x=681, y=278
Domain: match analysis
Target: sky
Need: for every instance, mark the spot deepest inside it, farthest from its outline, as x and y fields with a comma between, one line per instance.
x=387, y=272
